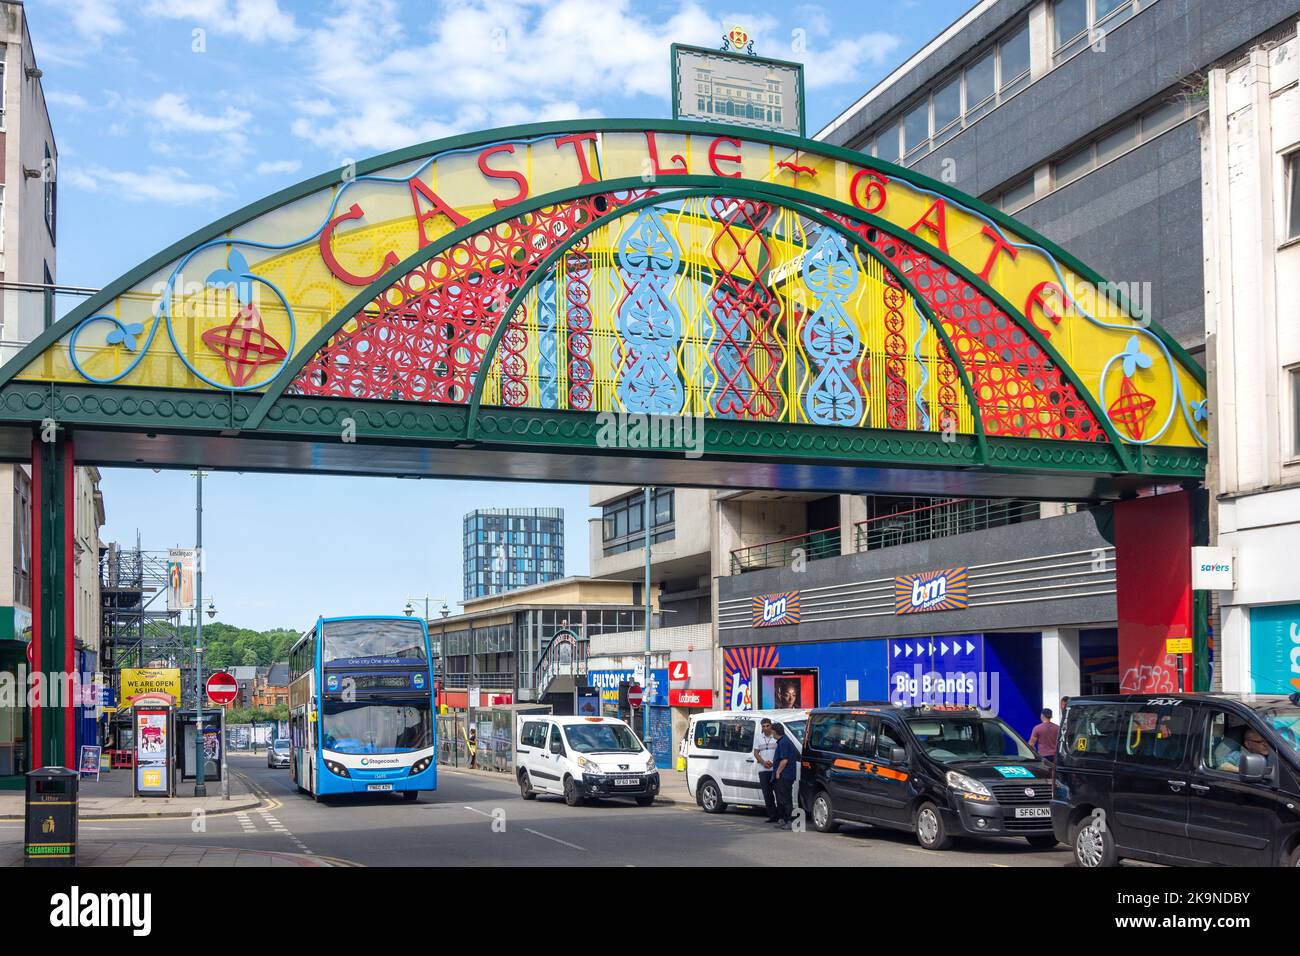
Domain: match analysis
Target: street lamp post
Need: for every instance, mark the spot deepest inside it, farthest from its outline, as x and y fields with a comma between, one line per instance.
x=200, y=765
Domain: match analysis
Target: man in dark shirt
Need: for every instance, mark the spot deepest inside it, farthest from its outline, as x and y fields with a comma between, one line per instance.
x=785, y=762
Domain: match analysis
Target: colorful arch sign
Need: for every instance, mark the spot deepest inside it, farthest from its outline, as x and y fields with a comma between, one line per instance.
x=776, y=286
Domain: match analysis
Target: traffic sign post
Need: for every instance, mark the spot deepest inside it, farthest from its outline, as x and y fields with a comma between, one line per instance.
x=635, y=695
x=222, y=688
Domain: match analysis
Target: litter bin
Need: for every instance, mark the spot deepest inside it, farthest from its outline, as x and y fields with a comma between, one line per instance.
x=52, y=817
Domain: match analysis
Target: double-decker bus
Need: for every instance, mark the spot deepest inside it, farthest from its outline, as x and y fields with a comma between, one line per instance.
x=361, y=707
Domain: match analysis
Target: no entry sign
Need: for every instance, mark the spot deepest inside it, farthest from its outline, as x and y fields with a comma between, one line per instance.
x=222, y=688
x=635, y=695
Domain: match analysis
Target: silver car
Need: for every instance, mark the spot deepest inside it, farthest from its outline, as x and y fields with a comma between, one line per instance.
x=277, y=755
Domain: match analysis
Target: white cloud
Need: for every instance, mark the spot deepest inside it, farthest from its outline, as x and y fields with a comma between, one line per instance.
x=158, y=184
x=282, y=167
x=844, y=60
x=72, y=101
x=93, y=20
x=174, y=112
x=254, y=20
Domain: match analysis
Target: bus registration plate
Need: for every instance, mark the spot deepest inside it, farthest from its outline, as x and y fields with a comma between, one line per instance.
x=379, y=786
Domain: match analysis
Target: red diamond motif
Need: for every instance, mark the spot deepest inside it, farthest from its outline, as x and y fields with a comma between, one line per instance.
x=1132, y=408
x=245, y=345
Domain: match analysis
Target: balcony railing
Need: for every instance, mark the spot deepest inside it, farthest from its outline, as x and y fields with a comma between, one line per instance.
x=942, y=519
x=780, y=552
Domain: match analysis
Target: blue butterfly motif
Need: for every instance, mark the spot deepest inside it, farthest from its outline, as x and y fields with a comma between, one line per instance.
x=1133, y=358
x=124, y=335
x=1200, y=410
x=235, y=274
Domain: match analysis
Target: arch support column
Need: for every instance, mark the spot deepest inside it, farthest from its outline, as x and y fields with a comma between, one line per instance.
x=54, y=679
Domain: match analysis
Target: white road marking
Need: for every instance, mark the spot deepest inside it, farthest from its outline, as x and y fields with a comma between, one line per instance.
x=555, y=839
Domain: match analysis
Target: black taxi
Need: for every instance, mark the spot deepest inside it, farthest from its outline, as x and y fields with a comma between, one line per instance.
x=1180, y=779
x=938, y=772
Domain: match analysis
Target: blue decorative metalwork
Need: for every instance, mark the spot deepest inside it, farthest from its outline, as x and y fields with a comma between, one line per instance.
x=829, y=337
x=548, y=372
x=649, y=321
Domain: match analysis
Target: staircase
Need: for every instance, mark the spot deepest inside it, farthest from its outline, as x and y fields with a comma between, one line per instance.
x=563, y=665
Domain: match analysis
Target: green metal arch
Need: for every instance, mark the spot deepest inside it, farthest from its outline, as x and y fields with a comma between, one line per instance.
x=544, y=267
x=384, y=161
x=784, y=195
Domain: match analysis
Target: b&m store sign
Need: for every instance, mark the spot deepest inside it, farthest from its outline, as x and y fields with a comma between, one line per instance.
x=772, y=610
x=946, y=590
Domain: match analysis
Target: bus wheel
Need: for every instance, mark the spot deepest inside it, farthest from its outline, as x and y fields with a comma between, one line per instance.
x=526, y=786
x=410, y=796
x=930, y=831
x=572, y=795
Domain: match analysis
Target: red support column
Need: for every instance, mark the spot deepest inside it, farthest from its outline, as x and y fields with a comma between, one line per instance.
x=1153, y=597
x=69, y=478
x=35, y=751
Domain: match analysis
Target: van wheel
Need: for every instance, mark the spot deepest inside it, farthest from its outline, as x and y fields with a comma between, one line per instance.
x=644, y=801
x=823, y=813
x=572, y=795
x=710, y=797
x=1043, y=842
x=930, y=831
x=526, y=786
x=1093, y=845
x=1295, y=857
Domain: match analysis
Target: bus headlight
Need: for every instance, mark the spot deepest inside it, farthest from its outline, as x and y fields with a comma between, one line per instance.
x=337, y=769
x=421, y=765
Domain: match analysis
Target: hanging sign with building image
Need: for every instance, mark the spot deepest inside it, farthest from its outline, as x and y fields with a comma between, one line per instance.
x=181, y=565
x=737, y=87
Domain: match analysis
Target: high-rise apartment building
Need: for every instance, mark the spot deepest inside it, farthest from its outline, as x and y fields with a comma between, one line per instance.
x=508, y=548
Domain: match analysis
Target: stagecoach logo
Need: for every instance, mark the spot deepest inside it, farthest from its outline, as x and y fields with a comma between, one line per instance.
x=931, y=591
x=417, y=679
x=331, y=681
x=380, y=761
x=771, y=610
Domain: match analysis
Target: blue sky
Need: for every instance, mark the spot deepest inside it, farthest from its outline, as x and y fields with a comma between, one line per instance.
x=171, y=113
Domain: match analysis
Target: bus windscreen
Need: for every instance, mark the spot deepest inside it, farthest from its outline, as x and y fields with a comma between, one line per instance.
x=375, y=640
x=376, y=728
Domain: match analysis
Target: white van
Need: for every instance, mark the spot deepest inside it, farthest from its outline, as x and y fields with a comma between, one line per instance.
x=582, y=758
x=720, y=764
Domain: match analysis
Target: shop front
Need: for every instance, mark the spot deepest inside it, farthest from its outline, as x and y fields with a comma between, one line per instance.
x=970, y=620
x=15, y=635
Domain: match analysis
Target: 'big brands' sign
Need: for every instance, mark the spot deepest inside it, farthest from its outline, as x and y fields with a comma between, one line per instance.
x=931, y=591
x=771, y=610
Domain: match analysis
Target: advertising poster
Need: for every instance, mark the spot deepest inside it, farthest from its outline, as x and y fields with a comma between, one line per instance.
x=150, y=680
x=89, y=762
x=787, y=688
x=936, y=670
x=181, y=565
x=1275, y=649
x=151, y=751
x=589, y=705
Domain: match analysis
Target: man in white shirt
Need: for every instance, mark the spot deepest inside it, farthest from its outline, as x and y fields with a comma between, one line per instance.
x=764, y=752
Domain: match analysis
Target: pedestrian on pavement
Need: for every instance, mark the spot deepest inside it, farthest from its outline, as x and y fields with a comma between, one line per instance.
x=786, y=759
x=1045, y=737
x=764, y=751
x=471, y=744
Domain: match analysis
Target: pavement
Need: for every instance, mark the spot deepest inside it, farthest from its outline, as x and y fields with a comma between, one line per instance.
x=167, y=854
x=110, y=798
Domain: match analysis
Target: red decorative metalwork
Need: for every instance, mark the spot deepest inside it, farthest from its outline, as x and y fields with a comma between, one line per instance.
x=1131, y=409
x=577, y=294
x=245, y=345
x=423, y=339
x=744, y=310
x=1019, y=391
x=895, y=356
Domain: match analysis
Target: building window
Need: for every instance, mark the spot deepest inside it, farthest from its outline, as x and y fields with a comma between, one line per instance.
x=1016, y=197
x=1000, y=72
x=623, y=521
x=1293, y=195
x=1078, y=23
x=1141, y=129
x=51, y=194
x=1295, y=412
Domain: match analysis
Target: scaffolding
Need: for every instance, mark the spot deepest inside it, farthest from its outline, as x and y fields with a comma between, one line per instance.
x=137, y=630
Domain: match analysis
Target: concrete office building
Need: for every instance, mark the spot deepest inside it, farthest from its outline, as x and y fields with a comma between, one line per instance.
x=28, y=242
x=1083, y=119
x=1251, y=202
